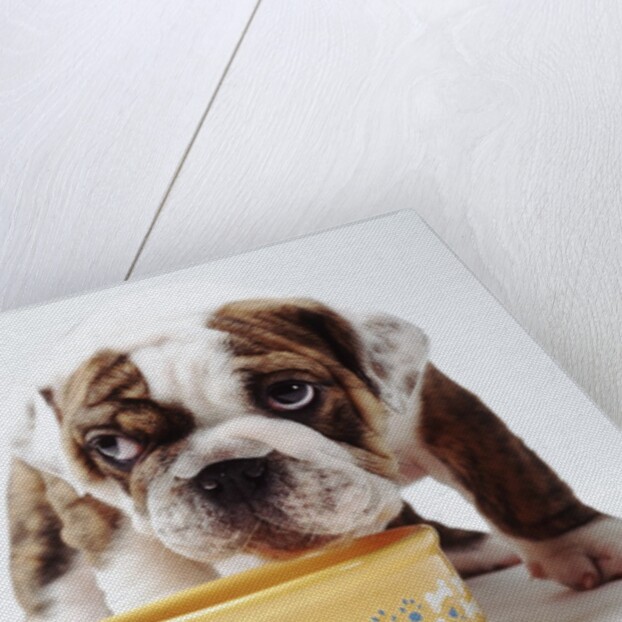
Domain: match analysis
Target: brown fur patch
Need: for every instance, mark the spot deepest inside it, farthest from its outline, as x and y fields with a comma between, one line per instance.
x=410, y=382
x=107, y=376
x=380, y=370
x=108, y=392
x=511, y=485
x=311, y=339
x=297, y=325
x=38, y=553
x=449, y=537
x=87, y=524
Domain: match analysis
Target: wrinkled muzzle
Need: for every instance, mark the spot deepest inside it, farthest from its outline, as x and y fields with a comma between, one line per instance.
x=256, y=484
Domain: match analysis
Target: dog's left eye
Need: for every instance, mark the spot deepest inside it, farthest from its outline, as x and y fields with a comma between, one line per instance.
x=290, y=395
x=119, y=450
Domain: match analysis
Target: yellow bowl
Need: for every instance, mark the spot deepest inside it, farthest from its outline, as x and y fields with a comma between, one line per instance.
x=398, y=575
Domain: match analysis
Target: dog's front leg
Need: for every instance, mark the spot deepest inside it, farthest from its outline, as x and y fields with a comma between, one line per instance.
x=463, y=443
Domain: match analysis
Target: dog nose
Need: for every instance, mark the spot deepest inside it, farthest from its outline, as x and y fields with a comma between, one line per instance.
x=233, y=480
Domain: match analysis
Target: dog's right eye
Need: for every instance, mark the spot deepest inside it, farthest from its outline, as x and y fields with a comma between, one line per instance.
x=290, y=395
x=119, y=450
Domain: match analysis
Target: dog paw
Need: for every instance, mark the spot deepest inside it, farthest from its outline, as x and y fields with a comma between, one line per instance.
x=487, y=554
x=582, y=559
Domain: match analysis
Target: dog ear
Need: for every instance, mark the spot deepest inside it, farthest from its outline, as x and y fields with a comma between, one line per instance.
x=395, y=355
x=39, y=442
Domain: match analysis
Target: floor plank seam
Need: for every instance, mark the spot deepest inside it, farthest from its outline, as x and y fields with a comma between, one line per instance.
x=186, y=153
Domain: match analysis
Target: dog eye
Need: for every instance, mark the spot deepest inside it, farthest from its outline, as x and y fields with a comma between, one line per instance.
x=290, y=395
x=117, y=449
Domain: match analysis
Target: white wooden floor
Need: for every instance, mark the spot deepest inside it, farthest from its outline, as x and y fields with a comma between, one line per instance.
x=140, y=137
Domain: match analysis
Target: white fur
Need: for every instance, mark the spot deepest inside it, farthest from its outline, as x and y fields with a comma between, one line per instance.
x=402, y=349
x=74, y=596
x=38, y=443
x=592, y=550
x=192, y=367
x=415, y=455
x=490, y=553
x=136, y=569
x=237, y=563
x=288, y=437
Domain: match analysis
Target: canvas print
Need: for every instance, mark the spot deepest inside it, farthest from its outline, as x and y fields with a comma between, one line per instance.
x=172, y=442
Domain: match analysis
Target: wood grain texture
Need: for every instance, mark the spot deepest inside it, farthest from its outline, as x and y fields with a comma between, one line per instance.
x=499, y=121
x=98, y=103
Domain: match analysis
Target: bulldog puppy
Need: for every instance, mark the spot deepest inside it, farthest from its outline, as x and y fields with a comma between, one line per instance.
x=259, y=431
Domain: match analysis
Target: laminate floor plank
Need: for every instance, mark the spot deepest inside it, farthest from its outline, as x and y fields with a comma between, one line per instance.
x=98, y=104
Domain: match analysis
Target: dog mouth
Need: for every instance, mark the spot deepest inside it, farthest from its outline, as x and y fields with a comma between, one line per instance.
x=272, y=505
x=248, y=491
x=243, y=530
x=273, y=542
x=284, y=494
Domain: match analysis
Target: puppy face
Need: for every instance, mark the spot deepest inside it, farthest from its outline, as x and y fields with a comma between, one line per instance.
x=260, y=431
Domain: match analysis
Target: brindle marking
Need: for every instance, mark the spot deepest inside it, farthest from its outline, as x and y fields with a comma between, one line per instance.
x=49, y=525
x=38, y=553
x=299, y=325
x=511, y=485
x=322, y=340
x=109, y=392
x=107, y=376
x=88, y=525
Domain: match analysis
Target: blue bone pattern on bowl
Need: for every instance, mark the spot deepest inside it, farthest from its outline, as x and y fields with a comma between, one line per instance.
x=448, y=603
